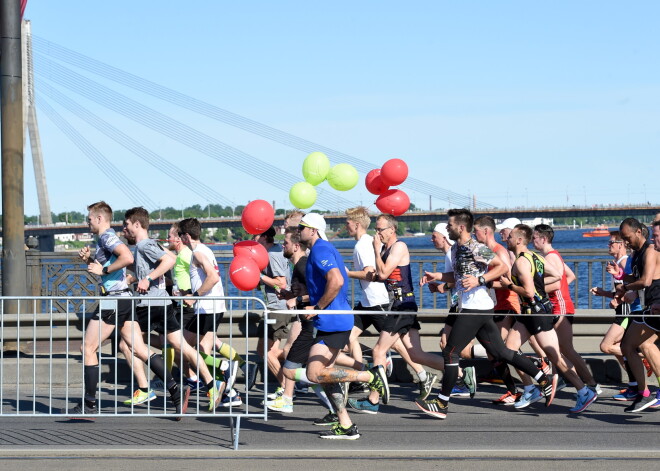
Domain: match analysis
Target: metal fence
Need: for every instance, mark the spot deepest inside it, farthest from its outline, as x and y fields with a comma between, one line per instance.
x=45, y=377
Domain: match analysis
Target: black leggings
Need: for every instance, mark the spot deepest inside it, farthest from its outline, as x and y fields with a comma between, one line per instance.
x=485, y=330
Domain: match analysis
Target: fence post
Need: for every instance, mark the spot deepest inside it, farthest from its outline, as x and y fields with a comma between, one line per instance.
x=33, y=262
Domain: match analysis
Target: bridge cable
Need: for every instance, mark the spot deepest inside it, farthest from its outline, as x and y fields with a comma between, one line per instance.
x=115, y=175
x=120, y=76
x=163, y=165
x=180, y=132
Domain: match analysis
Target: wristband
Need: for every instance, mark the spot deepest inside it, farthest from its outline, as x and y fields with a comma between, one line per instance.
x=317, y=308
x=196, y=293
x=149, y=279
x=105, y=270
x=299, y=300
x=509, y=286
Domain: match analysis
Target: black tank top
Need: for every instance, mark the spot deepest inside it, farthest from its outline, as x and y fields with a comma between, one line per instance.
x=652, y=292
x=401, y=277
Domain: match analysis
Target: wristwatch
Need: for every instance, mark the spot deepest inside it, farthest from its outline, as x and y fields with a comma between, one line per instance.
x=317, y=308
x=105, y=270
x=482, y=281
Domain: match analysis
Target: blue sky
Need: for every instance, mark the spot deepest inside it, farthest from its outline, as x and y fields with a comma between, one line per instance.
x=518, y=102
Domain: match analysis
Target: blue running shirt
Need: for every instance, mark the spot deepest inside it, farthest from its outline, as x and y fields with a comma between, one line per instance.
x=323, y=257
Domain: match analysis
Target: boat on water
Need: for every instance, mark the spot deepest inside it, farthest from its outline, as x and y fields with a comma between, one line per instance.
x=599, y=231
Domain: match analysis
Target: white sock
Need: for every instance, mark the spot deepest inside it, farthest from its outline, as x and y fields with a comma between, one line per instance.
x=422, y=375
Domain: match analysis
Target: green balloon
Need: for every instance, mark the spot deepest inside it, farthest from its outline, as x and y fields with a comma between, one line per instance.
x=316, y=167
x=343, y=177
x=302, y=195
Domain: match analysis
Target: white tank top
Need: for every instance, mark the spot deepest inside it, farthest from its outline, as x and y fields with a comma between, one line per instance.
x=197, y=277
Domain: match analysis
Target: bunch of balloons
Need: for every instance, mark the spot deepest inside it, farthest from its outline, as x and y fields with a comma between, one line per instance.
x=378, y=182
x=316, y=169
x=250, y=257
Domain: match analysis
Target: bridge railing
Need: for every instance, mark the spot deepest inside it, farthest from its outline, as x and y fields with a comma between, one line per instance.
x=62, y=274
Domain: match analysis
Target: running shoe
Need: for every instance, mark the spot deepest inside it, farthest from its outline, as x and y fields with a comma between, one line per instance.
x=656, y=404
x=229, y=375
x=528, y=397
x=215, y=396
x=140, y=397
x=233, y=399
x=180, y=397
x=460, y=391
x=156, y=384
x=195, y=384
x=549, y=388
x=328, y=419
x=583, y=401
x=278, y=392
x=389, y=364
x=357, y=387
x=250, y=372
x=281, y=405
x=379, y=383
x=82, y=408
x=508, y=399
x=627, y=394
x=596, y=388
x=433, y=407
x=638, y=403
x=337, y=432
x=426, y=386
x=561, y=383
x=649, y=370
x=544, y=365
x=652, y=402
x=470, y=380
x=363, y=406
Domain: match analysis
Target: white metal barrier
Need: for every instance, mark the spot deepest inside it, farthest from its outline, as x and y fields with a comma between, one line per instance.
x=42, y=360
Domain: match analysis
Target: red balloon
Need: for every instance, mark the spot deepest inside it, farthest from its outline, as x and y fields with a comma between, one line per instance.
x=394, y=202
x=254, y=250
x=374, y=183
x=257, y=217
x=394, y=172
x=244, y=273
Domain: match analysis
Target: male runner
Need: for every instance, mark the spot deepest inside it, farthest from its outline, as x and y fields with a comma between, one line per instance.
x=327, y=287
x=374, y=295
x=562, y=304
x=151, y=264
x=111, y=259
x=393, y=268
x=529, y=276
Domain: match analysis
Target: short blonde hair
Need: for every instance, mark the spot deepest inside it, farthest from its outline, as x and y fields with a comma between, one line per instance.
x=359, y=215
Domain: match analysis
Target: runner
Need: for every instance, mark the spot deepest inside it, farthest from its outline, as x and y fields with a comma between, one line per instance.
x=327, y=284
x=643, y=331
x=393, y=268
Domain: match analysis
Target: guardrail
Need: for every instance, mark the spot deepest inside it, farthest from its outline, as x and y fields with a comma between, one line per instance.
x=43, y=382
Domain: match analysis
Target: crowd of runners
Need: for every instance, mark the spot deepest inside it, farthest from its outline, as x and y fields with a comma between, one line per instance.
x=501, y=295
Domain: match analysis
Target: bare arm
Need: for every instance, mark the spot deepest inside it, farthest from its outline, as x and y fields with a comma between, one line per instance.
x=398, y=256
x=212, y=276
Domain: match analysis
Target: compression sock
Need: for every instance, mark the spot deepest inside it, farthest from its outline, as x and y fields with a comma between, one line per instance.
x=91, y=373
x=157, y=365
x=228, y=351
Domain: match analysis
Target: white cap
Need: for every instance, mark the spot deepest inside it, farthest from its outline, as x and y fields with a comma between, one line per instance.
x=315, y=221
x=442, y=229
x=509, y=223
